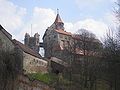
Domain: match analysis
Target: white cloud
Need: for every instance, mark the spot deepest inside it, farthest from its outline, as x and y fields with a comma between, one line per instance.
x=11, y=15
x=97, y=27
x=43, y=18
x=40, y=20
x=12, y=19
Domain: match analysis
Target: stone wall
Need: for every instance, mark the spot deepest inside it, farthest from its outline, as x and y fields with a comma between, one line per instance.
x=50, y=42
x=32, y=64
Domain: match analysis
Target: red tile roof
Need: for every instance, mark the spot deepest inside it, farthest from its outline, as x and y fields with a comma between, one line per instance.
x=63, y=32
x=26, y=49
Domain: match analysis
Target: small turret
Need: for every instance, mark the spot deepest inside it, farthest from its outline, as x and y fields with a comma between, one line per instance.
x=36, y=36
x=32, y=42
x=26, y=40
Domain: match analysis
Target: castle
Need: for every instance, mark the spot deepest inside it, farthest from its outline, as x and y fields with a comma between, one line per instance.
x=61, y=47
x=57, y=42
x=55, y=39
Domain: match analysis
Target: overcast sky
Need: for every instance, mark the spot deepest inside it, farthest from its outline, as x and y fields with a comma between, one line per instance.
x=16, y=16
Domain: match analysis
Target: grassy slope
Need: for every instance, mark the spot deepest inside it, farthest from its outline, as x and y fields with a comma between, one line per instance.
x=47, y=78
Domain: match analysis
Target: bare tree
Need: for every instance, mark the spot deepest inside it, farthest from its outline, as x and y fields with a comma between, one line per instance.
x=111, y=61
x=88, y=47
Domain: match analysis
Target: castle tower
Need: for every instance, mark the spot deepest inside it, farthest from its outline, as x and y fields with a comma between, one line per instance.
x=37, y=43
x=56, y=39
x=32, y=42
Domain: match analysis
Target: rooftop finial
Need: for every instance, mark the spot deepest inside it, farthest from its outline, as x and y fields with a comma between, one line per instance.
x=57, y=11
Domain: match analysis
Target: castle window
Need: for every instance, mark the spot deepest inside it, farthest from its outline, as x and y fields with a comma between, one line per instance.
x=30, y=62
x=55, y=36
x=34, y=60
x=62, y=43
x=49, y=38
x=65, y=37
x=37, y=42
x=68, y=43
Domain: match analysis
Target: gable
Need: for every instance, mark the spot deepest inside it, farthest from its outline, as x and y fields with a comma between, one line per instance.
x=5, y=41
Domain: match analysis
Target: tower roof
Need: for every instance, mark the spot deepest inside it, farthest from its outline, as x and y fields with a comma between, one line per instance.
x=58, y=19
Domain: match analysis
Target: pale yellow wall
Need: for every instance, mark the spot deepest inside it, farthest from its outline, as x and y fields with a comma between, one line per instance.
x=33, y=64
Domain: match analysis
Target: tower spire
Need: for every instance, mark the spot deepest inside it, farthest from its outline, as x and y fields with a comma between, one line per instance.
x=57, y=11
x=58, y=19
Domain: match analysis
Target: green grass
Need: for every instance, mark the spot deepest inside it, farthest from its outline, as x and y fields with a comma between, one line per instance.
x=47, y=78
